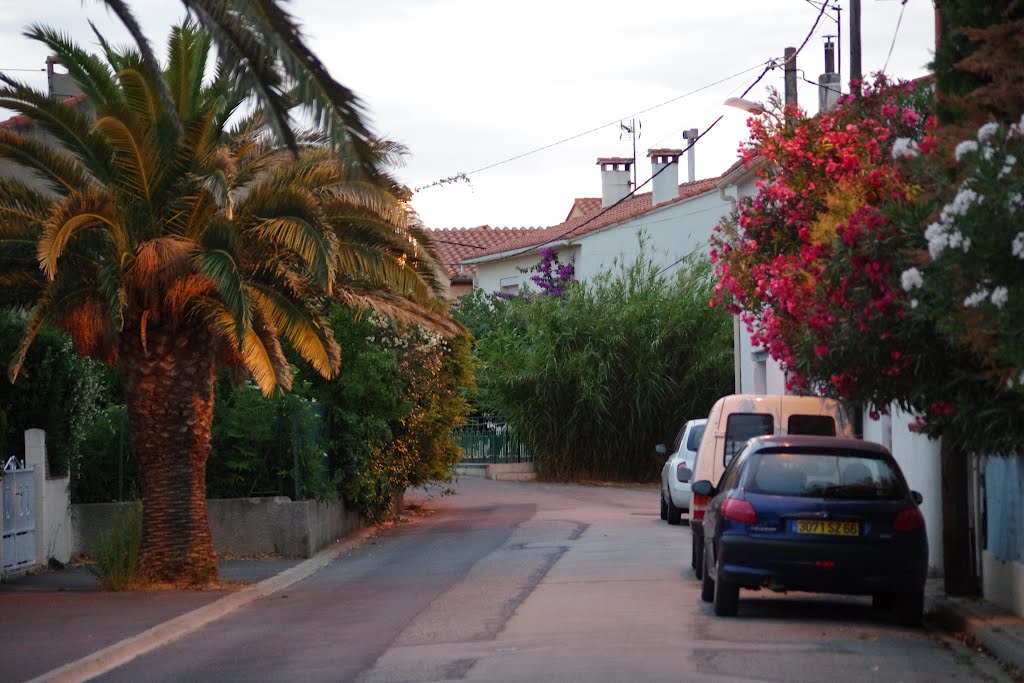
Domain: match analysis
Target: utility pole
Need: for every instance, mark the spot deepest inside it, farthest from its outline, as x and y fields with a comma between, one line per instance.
x=790, y=71
x=855, y=70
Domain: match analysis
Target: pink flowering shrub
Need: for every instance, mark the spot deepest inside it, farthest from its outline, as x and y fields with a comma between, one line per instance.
x=812, y=263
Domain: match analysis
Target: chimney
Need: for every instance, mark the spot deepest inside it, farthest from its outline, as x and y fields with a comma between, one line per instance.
x=60, y=85
x=829, y=86
x=615, y=183
x=665, y=174
x=691, y=137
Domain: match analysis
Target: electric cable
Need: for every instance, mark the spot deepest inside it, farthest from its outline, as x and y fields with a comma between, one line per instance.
x=771, y=64
x=592, y=130
x=903, y=6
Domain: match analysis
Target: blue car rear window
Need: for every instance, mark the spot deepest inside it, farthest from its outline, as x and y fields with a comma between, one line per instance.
x=823, y=475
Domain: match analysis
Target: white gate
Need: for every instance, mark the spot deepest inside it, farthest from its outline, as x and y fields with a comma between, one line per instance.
x=18, y=524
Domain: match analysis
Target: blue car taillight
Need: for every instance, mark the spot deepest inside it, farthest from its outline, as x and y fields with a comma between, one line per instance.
x=910, y=519
x=739, y=511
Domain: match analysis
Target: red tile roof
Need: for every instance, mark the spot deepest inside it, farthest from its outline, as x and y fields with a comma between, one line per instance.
x=23, y=120
x=453, y=245
x=585, y=216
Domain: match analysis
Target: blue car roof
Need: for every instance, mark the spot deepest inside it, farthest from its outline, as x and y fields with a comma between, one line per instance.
x=811, y=442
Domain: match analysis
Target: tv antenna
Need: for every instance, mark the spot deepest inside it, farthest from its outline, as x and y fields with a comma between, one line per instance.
x=633, y=131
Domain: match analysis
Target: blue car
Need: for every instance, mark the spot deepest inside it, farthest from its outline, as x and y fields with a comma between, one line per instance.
x=818, y=514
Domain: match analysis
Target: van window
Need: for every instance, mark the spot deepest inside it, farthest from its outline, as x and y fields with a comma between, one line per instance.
x=741, y=427
x=693, y=440
x=816, y=425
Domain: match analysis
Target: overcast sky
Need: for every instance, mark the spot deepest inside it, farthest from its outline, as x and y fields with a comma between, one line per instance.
x=467, y=84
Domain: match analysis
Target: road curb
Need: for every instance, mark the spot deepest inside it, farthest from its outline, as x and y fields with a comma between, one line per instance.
x=122, y=652
x=1000, y=633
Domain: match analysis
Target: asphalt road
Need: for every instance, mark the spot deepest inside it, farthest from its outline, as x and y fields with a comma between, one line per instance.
x=538, y=582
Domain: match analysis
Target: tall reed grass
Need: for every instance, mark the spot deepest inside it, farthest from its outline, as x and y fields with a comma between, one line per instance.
x=593, y=380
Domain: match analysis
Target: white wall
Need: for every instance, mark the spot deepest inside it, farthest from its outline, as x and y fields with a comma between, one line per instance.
x=489, y=275
x=918, y=457
x=672, y=232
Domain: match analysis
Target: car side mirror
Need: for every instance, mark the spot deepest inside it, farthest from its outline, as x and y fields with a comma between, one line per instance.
x=703, y=488
x=684, y=474
x=660, y=449
x=917, y=497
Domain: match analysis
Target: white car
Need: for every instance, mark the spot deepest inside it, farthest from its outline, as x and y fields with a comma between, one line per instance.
x=677, y=473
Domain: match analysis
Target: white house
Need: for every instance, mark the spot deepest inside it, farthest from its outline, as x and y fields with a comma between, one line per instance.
x=675, y=218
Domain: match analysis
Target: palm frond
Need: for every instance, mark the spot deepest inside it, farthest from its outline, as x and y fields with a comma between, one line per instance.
x=187, y=53
x=22, y=208
x=312, y=339
x=260, y=33
x=63, y=173
x=260, y=350
x=432, y=315
x=252, y=54
x=303, y=238
x=71, y=127
x=152, y=66
x=221, y=268
x=80, y=211
x=135, y=156
x=36, y=317
x=140, y=94
x=89, y=72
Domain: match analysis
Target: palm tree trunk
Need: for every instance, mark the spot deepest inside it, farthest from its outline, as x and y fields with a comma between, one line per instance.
x=168, y=383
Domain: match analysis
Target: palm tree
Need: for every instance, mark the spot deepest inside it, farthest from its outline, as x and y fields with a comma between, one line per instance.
x=173, y=254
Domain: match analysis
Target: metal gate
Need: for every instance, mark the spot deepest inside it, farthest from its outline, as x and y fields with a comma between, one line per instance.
x=19, y=517
x=485, y=440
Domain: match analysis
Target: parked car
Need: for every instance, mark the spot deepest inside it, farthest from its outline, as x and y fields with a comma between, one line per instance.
x=676, y=472
x=734, y=419
x=818, y=514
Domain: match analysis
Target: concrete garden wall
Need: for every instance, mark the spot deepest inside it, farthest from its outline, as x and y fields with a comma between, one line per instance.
x=242, y=526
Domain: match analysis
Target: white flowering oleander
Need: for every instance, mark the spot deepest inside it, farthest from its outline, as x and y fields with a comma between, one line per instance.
x=938, y=239
x=1018, y=245
x=999, y=296
x=979, y=295
x=913, y=303
x=987, y=131
x=911, y=279
x=905, y=148
x=1008, y=163
x=1016, y=201
x=965, y=147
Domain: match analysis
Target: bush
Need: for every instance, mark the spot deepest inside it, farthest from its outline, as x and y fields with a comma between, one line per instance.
x=594, y=379
x=57, y=391
x=116, y=554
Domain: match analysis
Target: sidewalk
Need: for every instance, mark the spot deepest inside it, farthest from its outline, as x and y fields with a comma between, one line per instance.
x=998, y=631
x=62, y=627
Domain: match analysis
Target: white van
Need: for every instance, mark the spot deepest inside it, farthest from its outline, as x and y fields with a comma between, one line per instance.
x=735, y=419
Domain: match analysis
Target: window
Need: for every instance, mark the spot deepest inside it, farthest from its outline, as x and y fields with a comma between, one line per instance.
x=844, y=475
x=816, y=425
x=693, y=440
x=741, y=427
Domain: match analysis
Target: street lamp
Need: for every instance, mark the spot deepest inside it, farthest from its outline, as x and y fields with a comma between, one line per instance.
x=749, y=106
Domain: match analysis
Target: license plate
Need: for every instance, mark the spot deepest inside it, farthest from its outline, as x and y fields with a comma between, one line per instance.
x=827, y=527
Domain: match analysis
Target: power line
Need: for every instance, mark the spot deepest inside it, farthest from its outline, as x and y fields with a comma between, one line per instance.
x=769, y=65
x=903, y=6
x=597, y=128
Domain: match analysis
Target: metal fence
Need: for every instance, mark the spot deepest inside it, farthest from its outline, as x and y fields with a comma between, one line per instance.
x=485, y=440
